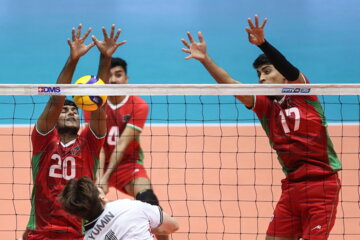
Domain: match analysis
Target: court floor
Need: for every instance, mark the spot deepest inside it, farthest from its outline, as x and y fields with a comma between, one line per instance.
x=220, y=182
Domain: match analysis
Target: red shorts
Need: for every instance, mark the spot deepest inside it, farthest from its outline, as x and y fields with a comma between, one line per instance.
x=125, y=173
x=306, y=208
x=47, y=235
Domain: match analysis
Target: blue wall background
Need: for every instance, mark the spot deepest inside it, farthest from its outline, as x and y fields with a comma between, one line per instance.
x=320, y=37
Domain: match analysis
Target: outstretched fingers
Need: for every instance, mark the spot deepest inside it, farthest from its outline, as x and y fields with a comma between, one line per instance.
x=201, y=38
x=78, y=33
x=120, y=43
x=104, y=33
x=73, y=34
x=185, y=43
x=112, y=31
x=90, y=45
x=191, y=39
x=86, y=34
x=117, y=34
x=251, y=25
x=264, y=23
x=256, y=20
x=186, y=50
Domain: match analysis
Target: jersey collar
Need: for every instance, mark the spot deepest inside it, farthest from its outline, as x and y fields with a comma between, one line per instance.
x=68, y=144
x=114, y=107
x=89, y=225
x=281, y=100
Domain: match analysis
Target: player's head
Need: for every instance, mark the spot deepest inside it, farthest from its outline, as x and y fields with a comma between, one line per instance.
x=266, y=71
x=68, y=121
x=118, y=71
x=82, y=198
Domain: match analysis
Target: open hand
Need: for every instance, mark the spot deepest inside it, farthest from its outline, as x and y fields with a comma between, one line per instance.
x=256, y=32
x=77, y=46
x=195, y=49
x=108, y=46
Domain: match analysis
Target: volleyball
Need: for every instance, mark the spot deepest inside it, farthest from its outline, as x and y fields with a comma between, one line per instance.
x=89, y=103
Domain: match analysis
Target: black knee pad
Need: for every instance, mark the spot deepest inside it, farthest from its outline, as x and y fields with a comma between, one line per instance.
x=148, y=196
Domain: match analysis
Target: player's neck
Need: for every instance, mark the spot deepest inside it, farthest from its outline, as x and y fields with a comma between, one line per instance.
x=93, y=219
x=67, y=137
x=116, y=99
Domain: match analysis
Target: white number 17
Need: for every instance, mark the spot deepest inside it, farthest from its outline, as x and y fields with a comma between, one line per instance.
x=289, y=112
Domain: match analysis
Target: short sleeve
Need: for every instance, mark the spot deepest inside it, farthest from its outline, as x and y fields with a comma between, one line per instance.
x=40, y=140
x=139, y=116
x=95, y=142
x=87, y=116
x=153, y=213
x=261, y=105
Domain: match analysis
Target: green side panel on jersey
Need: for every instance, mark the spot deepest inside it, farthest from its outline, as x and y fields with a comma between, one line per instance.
x=141, y=153
x=96, y=165
x=265, y=125
x=334, y=161
x=35, y=168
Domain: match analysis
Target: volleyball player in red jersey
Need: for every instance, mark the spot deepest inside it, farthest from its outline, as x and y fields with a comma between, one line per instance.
x=121, y=162
x=297, y=130
x=59, y=153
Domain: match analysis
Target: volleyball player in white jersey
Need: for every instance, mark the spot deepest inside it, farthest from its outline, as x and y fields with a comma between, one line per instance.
x=121, y=219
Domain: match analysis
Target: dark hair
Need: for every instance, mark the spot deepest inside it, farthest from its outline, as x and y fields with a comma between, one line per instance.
x=80, y=197
x=262, y=59
x=70, y=103
x=119, y=62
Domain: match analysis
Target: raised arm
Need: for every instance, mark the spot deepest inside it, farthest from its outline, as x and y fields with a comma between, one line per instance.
x=107, y=48
x=78, y=48
x=197, y=50
x=256, y=37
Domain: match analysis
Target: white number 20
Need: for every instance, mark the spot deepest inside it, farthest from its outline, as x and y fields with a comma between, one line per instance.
x=289, y=112
x=60, y=169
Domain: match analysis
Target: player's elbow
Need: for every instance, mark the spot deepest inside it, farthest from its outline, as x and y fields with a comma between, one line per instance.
x=174, y=227
x=168, y=227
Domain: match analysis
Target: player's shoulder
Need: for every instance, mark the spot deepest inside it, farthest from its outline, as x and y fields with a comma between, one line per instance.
x=136, y=99
x=123, y=205
x=136, y=103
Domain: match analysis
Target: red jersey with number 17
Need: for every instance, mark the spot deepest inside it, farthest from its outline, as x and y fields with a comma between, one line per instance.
x=53, y=165
x=297, y=130
x=131, y=112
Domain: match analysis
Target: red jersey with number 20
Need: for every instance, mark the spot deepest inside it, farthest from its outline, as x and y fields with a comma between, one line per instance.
x=297, y=130
x=53, y=165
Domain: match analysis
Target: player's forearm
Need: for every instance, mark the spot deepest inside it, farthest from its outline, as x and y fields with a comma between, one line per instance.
x=104, y=68
x=98, y=121
x=219, y=74
x=67, y=72
x=115, y=159
x=158, y=231
x=100, y=170
x=48, y=118
x=65, y=77
x=279, y=61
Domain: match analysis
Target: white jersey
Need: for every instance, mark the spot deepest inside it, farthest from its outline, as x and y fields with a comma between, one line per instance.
x=125, y=219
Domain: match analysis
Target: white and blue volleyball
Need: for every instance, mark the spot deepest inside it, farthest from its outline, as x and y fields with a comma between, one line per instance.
x=89, y=103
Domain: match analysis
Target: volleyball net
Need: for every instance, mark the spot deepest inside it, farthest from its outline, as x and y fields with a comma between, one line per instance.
x=209, y=160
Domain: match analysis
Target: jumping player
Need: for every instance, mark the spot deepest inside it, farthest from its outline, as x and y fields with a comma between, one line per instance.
x=121, y=161
x=59, y=153
x=121, y=219
x=297, y=130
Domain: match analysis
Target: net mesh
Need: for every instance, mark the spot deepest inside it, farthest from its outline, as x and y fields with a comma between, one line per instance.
x=208, y=158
